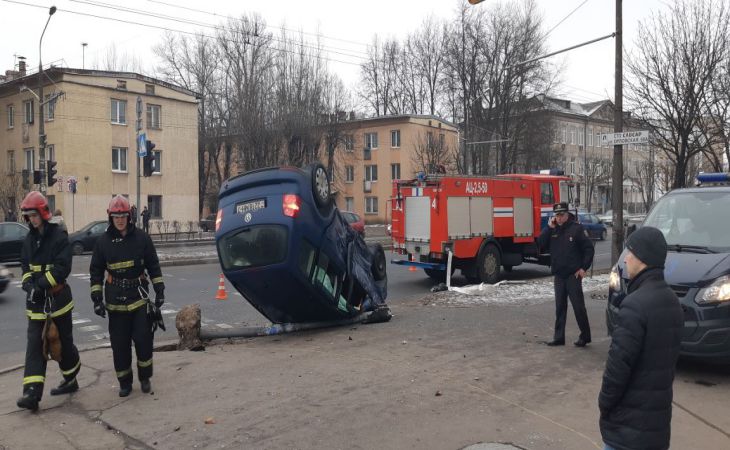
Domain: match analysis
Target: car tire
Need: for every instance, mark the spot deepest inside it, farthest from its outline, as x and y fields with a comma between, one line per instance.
x=377, y=262
x=320, y=185
x=489, y=264
x=77, y=248
x=604, y=234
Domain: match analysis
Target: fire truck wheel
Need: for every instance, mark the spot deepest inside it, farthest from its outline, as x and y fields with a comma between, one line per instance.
x=489, y=264
x=320, y=185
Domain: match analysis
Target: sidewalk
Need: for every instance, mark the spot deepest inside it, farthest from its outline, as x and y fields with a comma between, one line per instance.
x=434, y=377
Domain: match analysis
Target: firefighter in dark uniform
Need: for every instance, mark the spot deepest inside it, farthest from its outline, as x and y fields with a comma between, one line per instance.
x=118, y=264
x=45, y=260
x=571, y=255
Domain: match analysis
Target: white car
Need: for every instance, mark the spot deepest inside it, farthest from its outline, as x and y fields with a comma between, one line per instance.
x=607, y=217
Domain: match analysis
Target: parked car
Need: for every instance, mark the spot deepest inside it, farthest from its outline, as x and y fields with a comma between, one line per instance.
x=84, y=240
x=607, y=217
x=593, y=225
x=208, y=224
x=12, y=235
x=356, y=222
x=5, y=276
x=289, y=251
x=694, y=223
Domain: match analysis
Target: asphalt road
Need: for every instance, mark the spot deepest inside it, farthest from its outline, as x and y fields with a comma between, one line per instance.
x=198, y=284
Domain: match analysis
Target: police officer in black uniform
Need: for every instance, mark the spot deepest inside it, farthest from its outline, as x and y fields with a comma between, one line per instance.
x=571, y=255
x=124, y=252
x=45, y=260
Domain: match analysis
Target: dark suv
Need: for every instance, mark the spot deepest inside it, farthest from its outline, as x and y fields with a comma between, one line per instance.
x=695, y=224
x=287, y=249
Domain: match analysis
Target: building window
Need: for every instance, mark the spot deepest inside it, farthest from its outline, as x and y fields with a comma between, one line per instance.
x=28, y=112
x=572, y=135
x=119, y=111
x=590, y=137
x=11, y=161
x=349, y=174
x=50, y=152
x=371, y=173
x=572, y=166
x=121, y=84
x=149, y=89
x=395, y=171
x=395, y=138
x=349, y=142
x=371, y=140
x=30, y=158
x=598, y=139
x=565, y=133
x=371, y=205
x=429, y=139
x=442, y=141
x=157, y=163
x=349, y=203
x=11, y=116
x=119, y=159
x=154, y=205
x=153, y=116
x=50, y=108
x=556, y=136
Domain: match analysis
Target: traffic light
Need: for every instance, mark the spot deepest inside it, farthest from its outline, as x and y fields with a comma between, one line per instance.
x=26, y=179
x=36, y=177
x=148, y=160
x=51, y=171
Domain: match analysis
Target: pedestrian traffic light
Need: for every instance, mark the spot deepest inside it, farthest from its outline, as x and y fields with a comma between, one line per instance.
x=36, y=177
x=72, y=185
x=148, y=160
x=25, y=175
x=51, y=171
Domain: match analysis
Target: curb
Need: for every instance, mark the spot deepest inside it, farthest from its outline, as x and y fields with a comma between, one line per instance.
x=187, y=262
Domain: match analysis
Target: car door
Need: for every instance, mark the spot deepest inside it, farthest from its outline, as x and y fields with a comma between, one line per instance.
x=12, y=236
x=94, y=233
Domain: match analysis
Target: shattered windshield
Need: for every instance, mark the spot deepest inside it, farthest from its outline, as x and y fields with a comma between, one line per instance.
x=698, y=219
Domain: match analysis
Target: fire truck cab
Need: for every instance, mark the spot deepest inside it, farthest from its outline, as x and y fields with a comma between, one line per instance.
x=486, y=223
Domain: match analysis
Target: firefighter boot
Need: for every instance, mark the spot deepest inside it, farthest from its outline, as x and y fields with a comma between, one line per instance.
x=29, y=400
x=125, y=389
x=146, y=385
x=66, y=387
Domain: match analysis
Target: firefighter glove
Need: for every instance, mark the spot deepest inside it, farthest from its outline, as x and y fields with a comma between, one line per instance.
x=159, y=294
x=99, y=309
x=28, y=285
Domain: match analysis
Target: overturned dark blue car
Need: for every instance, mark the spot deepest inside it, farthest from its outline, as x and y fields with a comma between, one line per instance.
x=286, y=248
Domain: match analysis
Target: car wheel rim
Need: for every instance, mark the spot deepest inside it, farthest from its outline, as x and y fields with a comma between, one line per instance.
x=321, y=182
x=490, y=264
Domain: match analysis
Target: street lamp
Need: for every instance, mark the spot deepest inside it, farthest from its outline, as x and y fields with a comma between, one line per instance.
x=41, y=125
x=83, y=54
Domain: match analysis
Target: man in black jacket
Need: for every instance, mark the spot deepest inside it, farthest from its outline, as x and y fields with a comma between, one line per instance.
x=571, y=255
x=636, y=395
x=124, y=253
x=45, y=260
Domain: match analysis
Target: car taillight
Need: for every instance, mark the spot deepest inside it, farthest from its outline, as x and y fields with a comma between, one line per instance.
x=218, y=219
x=292, y=204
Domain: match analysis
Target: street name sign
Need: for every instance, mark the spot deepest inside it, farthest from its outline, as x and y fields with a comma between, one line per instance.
x=627, y=137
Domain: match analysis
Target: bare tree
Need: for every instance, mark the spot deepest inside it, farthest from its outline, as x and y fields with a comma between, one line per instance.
x=11, y=192
x=431, y=154
x=678, y=53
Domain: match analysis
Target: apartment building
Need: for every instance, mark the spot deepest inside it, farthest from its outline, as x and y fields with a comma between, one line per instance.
x=578, y=131
x=90, y=119
x=378, y=150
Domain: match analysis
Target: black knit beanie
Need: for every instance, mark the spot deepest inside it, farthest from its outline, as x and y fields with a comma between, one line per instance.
x=648, y=244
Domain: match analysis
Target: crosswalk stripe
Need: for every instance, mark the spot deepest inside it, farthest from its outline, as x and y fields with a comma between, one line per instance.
x=79, y=321
x=90, y=328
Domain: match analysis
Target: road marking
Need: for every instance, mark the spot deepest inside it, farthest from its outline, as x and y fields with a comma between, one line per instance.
x=223, y=325
x=78, y=321
x=97, y=337
x=169, y=311
x=238, y=294
x=90, y=328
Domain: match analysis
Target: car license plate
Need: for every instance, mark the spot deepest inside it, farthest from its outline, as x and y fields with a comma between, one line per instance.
x=252, y=206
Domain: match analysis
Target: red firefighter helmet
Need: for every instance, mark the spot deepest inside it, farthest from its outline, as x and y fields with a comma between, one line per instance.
x=35, y=201
x=118, y=205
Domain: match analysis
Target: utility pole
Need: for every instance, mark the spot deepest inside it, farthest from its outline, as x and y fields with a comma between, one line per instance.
x=83, y=55
x=140, y=150
x=41, y=124
x=617, y=175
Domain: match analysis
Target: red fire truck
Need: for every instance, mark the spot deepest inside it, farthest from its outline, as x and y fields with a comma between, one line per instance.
x=487, y=223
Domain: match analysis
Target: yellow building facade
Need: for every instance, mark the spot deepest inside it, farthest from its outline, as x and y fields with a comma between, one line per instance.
x=91, y=132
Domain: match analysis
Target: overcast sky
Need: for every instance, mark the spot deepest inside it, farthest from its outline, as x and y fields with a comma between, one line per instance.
x=346, y=27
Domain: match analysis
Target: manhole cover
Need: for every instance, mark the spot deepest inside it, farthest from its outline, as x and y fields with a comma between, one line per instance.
x=492, y=446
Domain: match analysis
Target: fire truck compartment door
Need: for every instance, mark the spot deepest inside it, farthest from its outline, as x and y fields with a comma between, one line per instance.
x=418, y=218
x=458, y=214
x=523, y=217
x=481, y=216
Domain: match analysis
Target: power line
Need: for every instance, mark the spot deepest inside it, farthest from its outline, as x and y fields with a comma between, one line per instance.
x=565, y=18
x=281, y=28
x=206, y=25
x=129, y=22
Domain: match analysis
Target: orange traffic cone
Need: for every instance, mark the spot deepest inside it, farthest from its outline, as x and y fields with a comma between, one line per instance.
x=412, y=268
x=221, y=295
